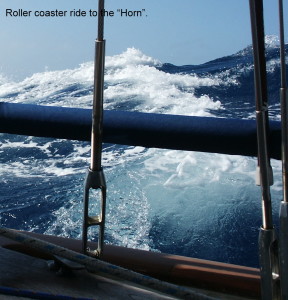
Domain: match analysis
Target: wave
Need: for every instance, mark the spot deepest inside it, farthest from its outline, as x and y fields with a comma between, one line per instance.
x=133, y=82
x=179, y=202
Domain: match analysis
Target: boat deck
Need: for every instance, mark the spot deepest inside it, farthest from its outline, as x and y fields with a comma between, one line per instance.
x=25, y=273
x=26, y=269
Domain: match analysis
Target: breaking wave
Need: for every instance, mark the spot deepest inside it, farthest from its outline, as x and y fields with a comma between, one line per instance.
x=187, y=203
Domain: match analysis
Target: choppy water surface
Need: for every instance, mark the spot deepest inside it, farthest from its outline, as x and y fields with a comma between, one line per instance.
x=187, y=203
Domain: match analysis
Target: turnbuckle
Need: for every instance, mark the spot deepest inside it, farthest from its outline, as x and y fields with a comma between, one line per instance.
x=94, y=180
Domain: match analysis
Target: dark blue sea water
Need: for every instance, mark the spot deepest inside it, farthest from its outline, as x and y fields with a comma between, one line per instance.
x=187, y=203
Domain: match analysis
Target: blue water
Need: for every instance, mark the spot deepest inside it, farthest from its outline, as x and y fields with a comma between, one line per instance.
x=187, y=203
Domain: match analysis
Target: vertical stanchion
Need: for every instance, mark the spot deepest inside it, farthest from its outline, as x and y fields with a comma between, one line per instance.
x=268, y=247
x=95, y=178
x=283, y=236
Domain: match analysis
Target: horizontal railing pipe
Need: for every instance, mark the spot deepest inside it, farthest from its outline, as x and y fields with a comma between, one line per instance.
x=203, y=134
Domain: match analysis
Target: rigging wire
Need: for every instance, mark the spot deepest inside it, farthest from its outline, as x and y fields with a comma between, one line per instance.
x=95, y=178
x=268, y=244
x=283, y=234
x=284, y=108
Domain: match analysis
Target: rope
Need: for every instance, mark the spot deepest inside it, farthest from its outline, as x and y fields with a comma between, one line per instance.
x=97, y=266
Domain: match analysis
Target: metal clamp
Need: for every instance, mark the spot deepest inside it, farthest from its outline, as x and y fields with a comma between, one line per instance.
x=269, y=264
x=94, y=180
x=270, y=176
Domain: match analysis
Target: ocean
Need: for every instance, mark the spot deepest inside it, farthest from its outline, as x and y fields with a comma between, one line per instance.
x=187, y=203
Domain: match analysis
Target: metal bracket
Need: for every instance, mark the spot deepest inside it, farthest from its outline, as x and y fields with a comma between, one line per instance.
x=94, y=180
x=63, y=266
x=258, y=176
x=283, y=241
x=269, y=264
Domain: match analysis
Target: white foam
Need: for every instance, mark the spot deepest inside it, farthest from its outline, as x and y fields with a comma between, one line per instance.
x=131, y=56
x=131, y=78
x=272, y=41
x=181, y=169
x=143, y=184
x=152, y=90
